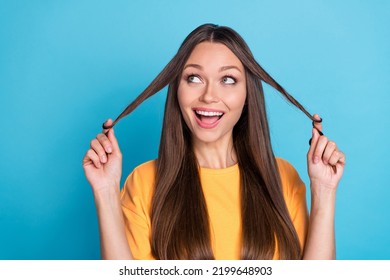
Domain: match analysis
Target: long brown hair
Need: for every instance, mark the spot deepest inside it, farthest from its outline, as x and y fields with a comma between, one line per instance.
x=180, y=224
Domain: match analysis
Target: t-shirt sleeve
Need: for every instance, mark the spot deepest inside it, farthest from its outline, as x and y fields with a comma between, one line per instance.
x=295, y=196
x=136, y=198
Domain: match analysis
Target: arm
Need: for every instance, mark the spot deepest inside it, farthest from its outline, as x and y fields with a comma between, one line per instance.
x=103, y=168
x=320, y=240
x=325, y=168
x=113, y=242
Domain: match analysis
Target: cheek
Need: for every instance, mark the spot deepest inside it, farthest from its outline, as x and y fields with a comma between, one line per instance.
x=181, y=96
x=185, y=97
x=236, y=100
x=184, y=102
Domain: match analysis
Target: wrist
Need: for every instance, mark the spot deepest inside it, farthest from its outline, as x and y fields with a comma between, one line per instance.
x=107, y=196
x=322, y=197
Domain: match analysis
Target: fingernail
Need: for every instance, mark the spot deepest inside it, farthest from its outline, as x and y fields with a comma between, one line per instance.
x=104, y=158
x=316, y=159
x=109, y=149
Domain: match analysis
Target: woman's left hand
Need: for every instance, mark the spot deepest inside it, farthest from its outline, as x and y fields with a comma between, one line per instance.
x=324, y=160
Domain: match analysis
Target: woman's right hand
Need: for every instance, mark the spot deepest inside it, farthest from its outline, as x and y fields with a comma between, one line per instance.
x=103, y=162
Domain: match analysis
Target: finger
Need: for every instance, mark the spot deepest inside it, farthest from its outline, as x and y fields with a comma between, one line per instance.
x=319, y=132
x=337, y=157
x=317, y=124
x=342, y=158
x=105, y=142
x=111, y=136
x=107, y=123
x=114, y=141
x=313, y=143
x=91, y=156
x=99, y=150
x=329, y=151
x=320, y=148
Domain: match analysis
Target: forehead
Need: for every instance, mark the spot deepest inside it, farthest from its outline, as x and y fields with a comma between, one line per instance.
x=217, y=54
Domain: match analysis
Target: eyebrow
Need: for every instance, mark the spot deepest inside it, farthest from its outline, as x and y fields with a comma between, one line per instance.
x=223, y=68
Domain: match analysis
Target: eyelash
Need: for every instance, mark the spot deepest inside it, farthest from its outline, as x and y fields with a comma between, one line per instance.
x=187, y=77
x=230, y=77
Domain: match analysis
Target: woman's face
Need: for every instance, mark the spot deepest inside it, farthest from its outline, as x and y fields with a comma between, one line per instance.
x=212, y=92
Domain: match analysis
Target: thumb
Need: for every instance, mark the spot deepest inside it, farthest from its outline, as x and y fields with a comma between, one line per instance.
x=318, y=122
x=107, y=123
x=113, y=140
x=111, y=135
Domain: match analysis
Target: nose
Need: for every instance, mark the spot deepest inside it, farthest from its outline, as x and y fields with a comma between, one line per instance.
x=210, y=95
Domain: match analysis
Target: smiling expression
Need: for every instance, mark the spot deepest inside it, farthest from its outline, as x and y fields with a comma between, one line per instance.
x=212, y=92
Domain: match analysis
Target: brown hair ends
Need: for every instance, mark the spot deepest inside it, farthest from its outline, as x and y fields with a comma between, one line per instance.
x=180, y=222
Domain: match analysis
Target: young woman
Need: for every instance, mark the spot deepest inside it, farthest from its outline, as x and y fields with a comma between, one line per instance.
x=216, y=190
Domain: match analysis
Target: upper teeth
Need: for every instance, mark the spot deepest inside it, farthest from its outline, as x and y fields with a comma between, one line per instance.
x=207, y=113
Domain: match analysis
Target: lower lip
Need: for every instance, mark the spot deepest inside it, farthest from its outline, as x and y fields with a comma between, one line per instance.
x=206, y=125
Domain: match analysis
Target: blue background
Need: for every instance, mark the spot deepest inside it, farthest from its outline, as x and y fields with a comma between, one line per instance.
x=66, y=66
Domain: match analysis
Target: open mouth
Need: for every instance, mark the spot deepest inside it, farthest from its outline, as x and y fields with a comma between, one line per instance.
x=208, y=118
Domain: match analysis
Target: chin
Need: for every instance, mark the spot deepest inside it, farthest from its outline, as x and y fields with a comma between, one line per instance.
x=207, y=137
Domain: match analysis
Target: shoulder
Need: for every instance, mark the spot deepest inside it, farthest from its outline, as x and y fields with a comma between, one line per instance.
x=140, y=182
x=291, y=182
x=285, y=168
x=145, y=171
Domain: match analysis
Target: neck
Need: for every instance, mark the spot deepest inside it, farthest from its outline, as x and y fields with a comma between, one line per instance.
x=215, y=155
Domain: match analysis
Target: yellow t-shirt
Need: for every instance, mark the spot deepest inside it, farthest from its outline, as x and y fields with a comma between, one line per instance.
x=221, y=188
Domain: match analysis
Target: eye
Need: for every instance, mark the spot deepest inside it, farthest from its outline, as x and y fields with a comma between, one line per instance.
x=194, y=79
x=228, y=80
